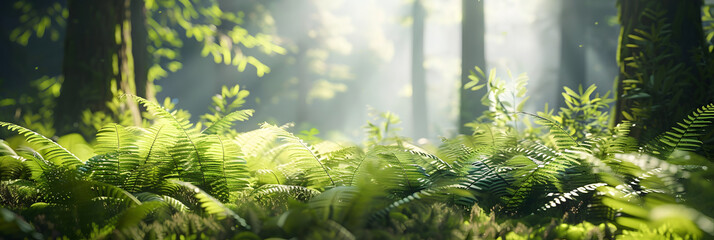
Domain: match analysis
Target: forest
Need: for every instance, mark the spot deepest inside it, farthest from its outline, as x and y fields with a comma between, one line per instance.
x=369, y=119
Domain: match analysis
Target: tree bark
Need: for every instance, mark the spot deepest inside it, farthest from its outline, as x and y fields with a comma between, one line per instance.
x=139, y=38
x=98, y=61
x=668, y=73
x=419, y=107
x=472, y=54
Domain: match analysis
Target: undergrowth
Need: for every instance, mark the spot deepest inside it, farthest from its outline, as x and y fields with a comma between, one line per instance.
x=567, y=176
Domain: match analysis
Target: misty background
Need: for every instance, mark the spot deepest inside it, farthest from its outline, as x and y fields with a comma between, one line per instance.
x=356, y=55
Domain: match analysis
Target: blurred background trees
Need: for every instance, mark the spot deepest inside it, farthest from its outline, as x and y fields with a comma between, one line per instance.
x=472, y=54
x=319, y=63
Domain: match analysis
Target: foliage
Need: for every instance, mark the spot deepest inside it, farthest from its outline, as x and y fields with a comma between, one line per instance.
x=204, y=21
x=665, y=66
x=585, y=114
x=34, y=110
x=173, y=178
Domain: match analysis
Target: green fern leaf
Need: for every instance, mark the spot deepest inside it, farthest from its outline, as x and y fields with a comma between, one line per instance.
x=51, y=151
x=685, y=135
x=303, y=154
x=224, y=167
x=225, y=122
x=332, y=204
x=211, y=205
x=188, y=161
x=297, y=192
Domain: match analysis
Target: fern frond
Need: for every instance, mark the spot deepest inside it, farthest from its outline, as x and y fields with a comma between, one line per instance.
x=166, y=200
x=133, y=215
x=254, y=144
x=486, y=138
x=433, y=193
x=154, y=143
x=11, y=167
x=685, y=135
x=541, y=178
x=6, y=150
x=621, y=141
x=486, y=181
x=114, y=138
x=303, y=154
x=569, y=196
x=409, y=175
x=227, y=121
x=124, y=198
x=211, y=205
x=105, y=168
x=223, y=166
x=435, y=161
x=561, y=138
x=297, y=192
x=185, y=153
x=393, y=169
x=332, y=204
x=51, y=151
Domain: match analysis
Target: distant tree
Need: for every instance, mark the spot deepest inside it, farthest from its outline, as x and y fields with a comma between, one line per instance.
x=472, y=54
x=665, y=65
x=574, y=25
x=419, y=107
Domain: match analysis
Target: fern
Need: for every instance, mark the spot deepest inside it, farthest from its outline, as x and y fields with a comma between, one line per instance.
x=333, y=204
x=297, y=192
x=685, y=135
x=303, y=154
x=51, y=151
x=223, y=166
x=569, y=196
x=225, y=122
x=561, y=138
x=192, y=155
x=486, y=181
x=5, y=149
x=209, y=204
x=540, y=178
x=433, y=193
x=12, y=167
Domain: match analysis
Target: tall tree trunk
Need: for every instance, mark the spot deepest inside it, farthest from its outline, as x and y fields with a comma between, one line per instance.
x=139, y=38
x=660, y=81
x=419, y=111
x=98, y=57
x=574, y=25
x=472, y=54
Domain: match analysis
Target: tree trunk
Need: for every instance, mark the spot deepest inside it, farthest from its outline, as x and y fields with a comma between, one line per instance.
x=98, y=61
x=661, y=80
x=139, y=38
x=472, y=54
x=419, y=111
x=574, y=25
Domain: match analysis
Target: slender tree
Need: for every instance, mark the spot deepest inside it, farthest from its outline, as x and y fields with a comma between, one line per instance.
x=139, y=39
x=472, y=54
x=662, y=57
x=574, y=25
x=419, y=111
